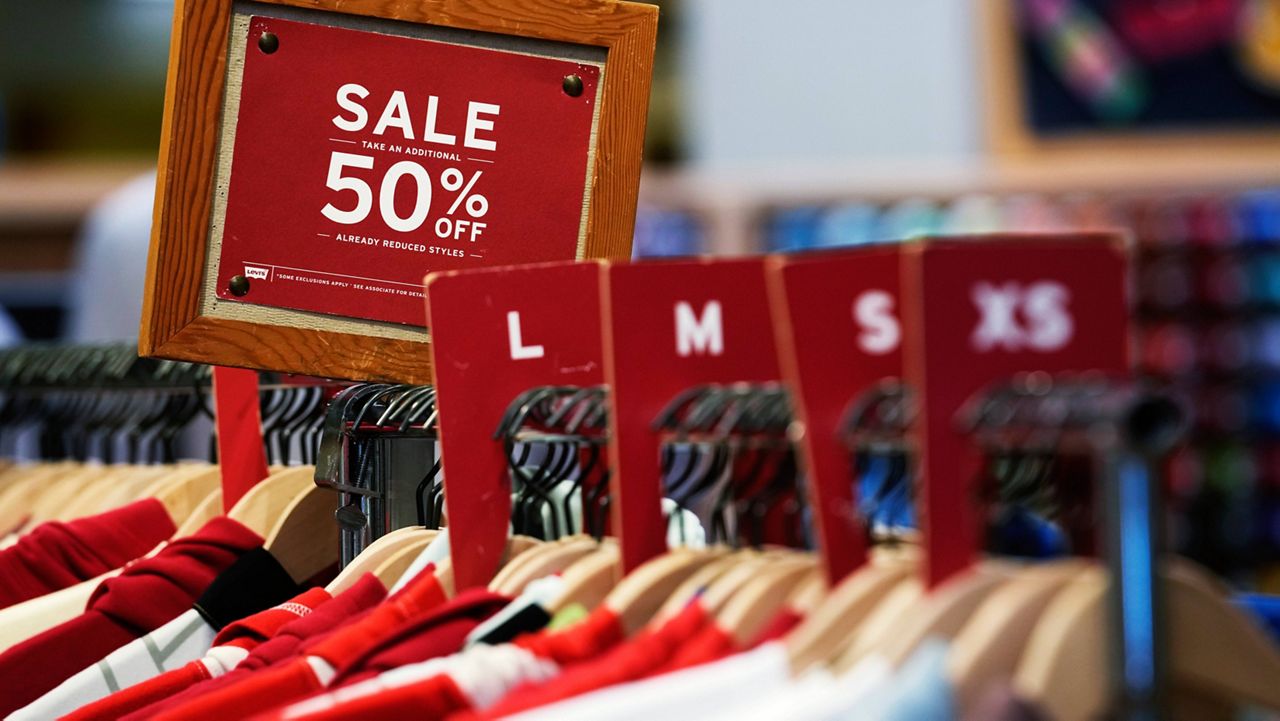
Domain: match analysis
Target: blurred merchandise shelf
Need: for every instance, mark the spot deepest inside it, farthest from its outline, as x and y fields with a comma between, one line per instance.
x=42, y=204
x=728, y=205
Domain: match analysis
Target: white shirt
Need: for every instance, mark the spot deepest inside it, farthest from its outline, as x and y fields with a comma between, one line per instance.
x=692, y=693
x=173, y=645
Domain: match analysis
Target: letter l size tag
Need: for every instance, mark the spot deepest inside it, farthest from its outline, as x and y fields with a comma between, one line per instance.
x=495, y=334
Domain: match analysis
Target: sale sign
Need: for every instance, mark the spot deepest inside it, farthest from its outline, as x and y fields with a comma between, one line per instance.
x=363, y=161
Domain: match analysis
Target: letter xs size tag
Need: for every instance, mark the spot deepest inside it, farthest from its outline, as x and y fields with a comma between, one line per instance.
x=1015, y=317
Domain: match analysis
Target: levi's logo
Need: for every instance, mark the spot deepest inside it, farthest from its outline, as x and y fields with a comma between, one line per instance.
x=254, y=272
x=1015, y=317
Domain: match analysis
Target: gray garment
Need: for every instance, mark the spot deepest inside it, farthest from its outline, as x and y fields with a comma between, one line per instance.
x=111, y=266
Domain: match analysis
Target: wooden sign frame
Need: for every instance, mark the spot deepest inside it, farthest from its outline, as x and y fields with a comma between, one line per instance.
x=179, y=321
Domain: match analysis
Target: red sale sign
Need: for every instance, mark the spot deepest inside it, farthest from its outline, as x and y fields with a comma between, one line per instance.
x=363, y=161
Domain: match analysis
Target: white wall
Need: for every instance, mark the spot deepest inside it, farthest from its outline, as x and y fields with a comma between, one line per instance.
x=829, y=81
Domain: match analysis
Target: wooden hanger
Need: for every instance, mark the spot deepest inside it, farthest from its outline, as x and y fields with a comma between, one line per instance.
x=1213, y=648
x=642, y=592
x=512, y=564
x=444, y=574
x=19, y=494
x=112, y=491
x=561, y=556
x=751, y=609
x=943, y=611
x=990, y=644
x=590, y=580
x=516, y=545
x=518, y=560
x=295, y=518
x=261, y=506
x=820, y=637
x=395, y=566
x=148, y=482
x=697, y=583
x=66, y=488
x=1064, y=669
x=305, y=537
x=205, y=511
x=879, y=624
x=724, y=589
x=808, y=594
x=377, y=553
x=183, y=495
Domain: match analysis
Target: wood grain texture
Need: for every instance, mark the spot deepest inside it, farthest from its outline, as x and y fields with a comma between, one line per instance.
x=172, y=324
x=320, y=353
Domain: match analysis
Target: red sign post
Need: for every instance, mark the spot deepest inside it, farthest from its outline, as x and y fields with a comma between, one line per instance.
x=840, y=333
x=497, y=333
x=669, y=326
x=394, y=164
x=242, y=456
x=978, y=312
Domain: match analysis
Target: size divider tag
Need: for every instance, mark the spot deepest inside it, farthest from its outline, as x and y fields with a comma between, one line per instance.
x=497, y=333
x=839, y=328
x=242, y=456
x=977, y=312
x=669, y=326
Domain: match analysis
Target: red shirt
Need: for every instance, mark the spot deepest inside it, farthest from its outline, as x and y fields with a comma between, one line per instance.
x=144, y=597
x=439, y=696
x=437, y=633
x=245, y=634
x=364, y=594
x=57, y=555
x=295, y=678
x=647, y=651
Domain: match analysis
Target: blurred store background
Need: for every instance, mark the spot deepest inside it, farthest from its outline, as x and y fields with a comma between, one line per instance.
x=812, y=123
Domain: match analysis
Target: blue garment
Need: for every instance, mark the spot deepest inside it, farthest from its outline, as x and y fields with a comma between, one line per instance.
x=920, y=691
x=880, y=505
x=1264, y=608
x=1019, y=532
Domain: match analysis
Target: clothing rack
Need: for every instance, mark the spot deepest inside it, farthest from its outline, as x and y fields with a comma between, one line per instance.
x=543, y=432
x=1130, y=429
x=733, y=438
x=99, y=401
x=376, y=438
